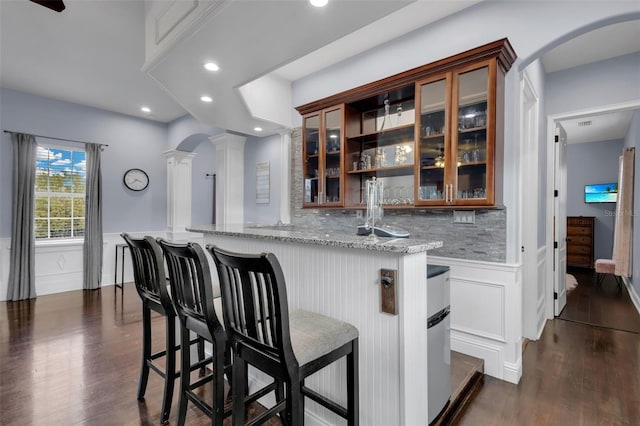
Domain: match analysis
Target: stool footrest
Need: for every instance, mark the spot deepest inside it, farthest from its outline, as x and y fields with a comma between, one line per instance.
x=327, y=403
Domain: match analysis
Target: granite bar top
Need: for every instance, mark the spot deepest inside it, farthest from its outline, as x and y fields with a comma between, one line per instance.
x=331, y=238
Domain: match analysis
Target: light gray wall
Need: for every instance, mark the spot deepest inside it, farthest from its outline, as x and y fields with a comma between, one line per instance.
x=258, y=150
x=133, y=142
x=188, y=134
x=633, y=140
x=202, y=186
x=591, y=163
x=547, y=24
x=607, y=82
x=537, y=76
x=601, y=83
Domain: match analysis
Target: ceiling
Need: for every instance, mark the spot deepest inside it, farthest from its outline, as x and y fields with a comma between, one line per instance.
x=604, y=43
x=598, y=127
x=93, y=52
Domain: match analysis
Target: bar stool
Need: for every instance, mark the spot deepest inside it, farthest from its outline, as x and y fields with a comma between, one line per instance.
x=288, y=347
x=196, y=301
x=149, y=276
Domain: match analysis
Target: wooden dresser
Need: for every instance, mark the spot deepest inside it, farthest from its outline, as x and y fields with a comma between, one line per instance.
x=580, y=241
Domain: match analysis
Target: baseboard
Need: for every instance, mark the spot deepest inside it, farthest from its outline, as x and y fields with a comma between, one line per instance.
x=492, y=354
x=512, y=372
x=635, y=299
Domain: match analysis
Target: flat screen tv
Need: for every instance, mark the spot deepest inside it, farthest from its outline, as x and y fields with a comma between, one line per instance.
x=601, y=193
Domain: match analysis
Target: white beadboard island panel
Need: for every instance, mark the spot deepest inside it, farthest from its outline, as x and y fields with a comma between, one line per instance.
x=343, y=282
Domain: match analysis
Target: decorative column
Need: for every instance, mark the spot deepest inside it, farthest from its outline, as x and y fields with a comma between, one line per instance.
x=178, y=194
x=229, y=177
x=285, y=176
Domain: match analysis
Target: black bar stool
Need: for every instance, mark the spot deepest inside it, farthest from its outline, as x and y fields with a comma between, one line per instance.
x=288, y=347
x=194, y=298
x=151, y=284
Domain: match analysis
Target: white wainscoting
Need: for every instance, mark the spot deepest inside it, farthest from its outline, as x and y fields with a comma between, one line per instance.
x=541, y=310
x=486, y=314
x=59, y=265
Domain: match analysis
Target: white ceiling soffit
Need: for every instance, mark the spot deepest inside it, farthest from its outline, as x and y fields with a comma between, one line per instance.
x=249, y=39
x=407, y=19
x=90, y=54
x=393, y=25
x=598, y=127
x=603, y=43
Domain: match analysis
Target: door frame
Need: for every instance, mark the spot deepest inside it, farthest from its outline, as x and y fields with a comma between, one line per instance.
x=529, y=197
x=551, y=168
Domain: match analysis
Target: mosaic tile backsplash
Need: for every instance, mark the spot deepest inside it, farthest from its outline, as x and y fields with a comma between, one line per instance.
x=485, y=240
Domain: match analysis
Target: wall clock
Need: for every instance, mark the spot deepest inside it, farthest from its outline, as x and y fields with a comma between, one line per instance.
x=135, y=179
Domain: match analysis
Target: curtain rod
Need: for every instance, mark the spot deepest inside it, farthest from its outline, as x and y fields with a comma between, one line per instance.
x=59, y=139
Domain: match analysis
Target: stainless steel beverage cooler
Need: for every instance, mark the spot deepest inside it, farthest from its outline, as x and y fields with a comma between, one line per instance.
x=438, y=338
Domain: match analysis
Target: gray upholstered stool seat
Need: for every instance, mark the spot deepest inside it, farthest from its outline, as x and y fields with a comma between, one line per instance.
x=314, y=335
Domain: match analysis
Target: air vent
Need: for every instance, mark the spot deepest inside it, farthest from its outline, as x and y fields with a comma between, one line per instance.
x=584, y=123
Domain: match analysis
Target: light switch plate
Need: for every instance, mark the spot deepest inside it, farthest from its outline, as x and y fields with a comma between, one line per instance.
x=464, y=216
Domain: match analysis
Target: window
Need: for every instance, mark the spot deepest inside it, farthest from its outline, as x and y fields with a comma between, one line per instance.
x=59, y=193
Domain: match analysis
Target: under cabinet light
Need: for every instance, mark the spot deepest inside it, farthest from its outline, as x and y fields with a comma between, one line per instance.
x=319, y=3
x=145, y=109
x=257, y=129
x=210, y=66
x=206, y=98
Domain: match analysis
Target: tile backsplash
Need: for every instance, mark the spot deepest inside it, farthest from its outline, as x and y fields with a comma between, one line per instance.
x=485, y=240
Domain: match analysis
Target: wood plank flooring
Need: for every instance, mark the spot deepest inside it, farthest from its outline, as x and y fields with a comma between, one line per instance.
x=576, y=374
x=602, y=306
x=584, y=370
x=74, y=358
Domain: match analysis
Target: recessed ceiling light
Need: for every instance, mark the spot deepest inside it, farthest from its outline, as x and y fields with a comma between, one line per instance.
x=319, y=3
x=257, y=129
x=206, y=98
x=145, y=109
x=211, y=66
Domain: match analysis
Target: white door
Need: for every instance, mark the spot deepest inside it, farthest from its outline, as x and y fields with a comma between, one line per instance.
x=560, y=221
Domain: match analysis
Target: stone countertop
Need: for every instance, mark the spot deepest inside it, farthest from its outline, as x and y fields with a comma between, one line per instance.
x=331, y=238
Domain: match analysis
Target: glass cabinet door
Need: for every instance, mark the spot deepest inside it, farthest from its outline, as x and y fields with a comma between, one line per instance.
x=311, y=155
x=332, y=150
x=471, y=147
x=434, y=143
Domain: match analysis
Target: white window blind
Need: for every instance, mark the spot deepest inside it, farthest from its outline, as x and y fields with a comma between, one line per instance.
x=59, y=193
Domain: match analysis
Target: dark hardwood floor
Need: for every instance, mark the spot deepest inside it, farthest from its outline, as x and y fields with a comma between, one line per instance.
x=606, y=305
x=576, y=374
x=584, y=370
x=74, y=358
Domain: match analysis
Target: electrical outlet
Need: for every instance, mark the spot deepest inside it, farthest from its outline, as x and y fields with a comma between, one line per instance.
x=359, y=214
x=464, y=216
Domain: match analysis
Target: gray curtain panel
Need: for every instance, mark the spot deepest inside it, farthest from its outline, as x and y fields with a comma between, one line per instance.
x=623, y=230
x=93, y=220
x=22, y=275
